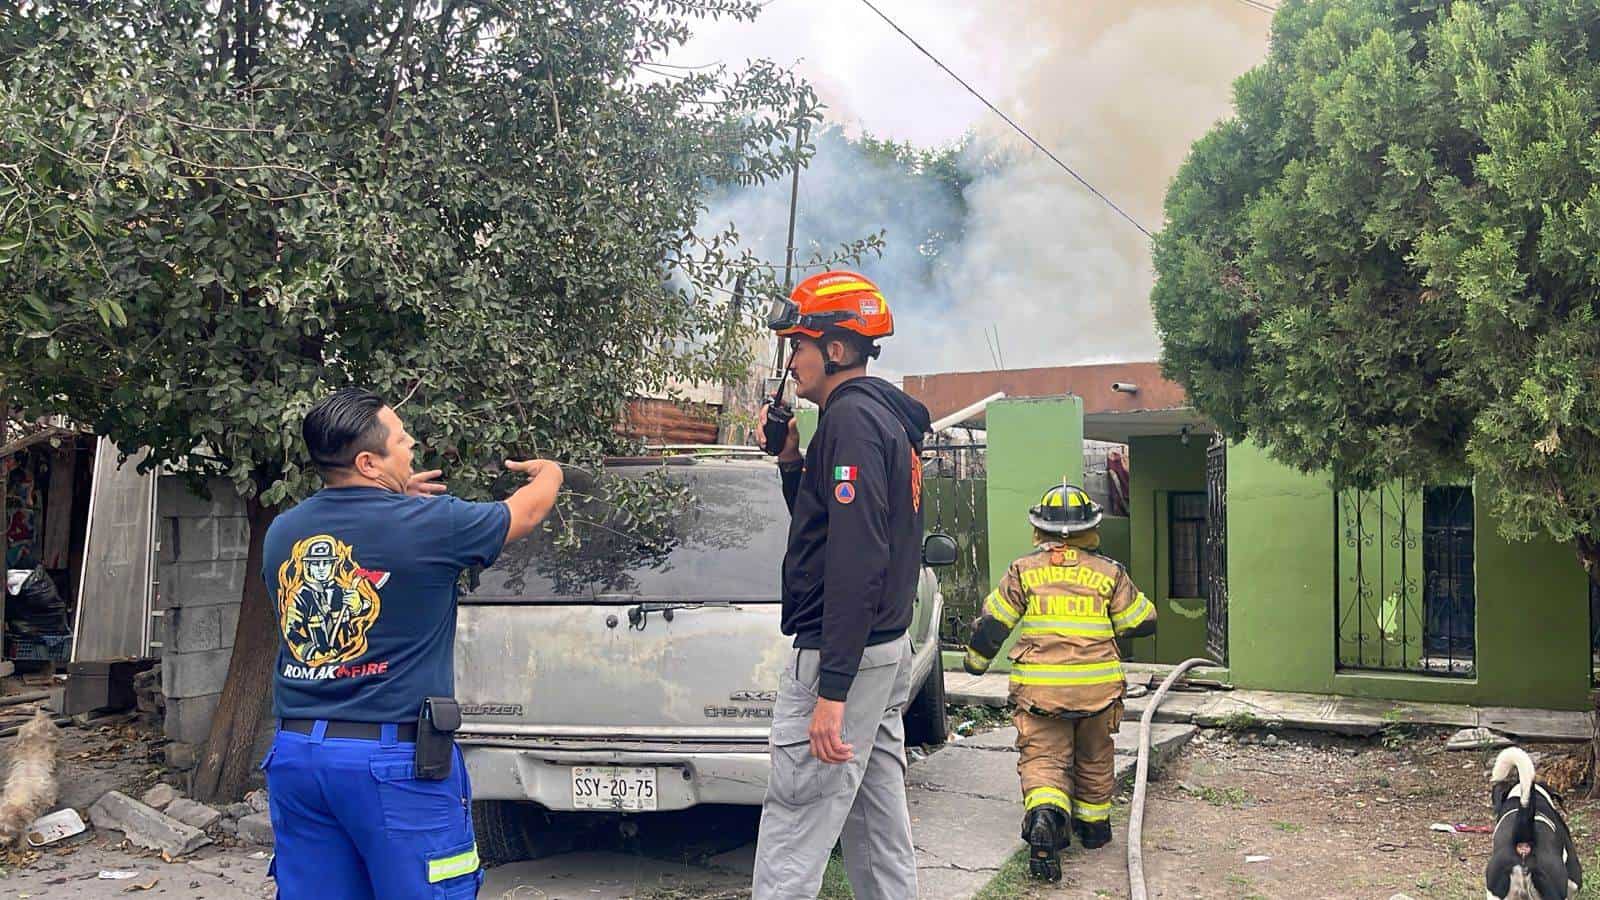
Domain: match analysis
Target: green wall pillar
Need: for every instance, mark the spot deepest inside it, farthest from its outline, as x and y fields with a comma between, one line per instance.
x=1033, y=443
x=1280, y=575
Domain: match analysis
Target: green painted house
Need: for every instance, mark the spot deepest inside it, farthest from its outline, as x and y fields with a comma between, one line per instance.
x=1403, y=593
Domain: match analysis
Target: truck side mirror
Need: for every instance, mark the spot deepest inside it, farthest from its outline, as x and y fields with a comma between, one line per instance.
x=939, y=550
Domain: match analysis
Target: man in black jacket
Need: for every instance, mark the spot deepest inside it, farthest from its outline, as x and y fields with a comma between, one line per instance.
x=849, y=579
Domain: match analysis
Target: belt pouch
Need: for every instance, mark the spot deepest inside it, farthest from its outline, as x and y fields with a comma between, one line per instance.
x=436, y=744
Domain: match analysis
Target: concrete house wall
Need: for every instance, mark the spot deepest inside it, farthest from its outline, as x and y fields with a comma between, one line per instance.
x=1531, y=638
x=1532, y=641
x=200, y=574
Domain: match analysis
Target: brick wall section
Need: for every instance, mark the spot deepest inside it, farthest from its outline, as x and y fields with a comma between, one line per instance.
x=201, y=571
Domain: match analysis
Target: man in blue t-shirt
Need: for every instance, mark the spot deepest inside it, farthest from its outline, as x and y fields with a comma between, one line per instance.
x=363, y=577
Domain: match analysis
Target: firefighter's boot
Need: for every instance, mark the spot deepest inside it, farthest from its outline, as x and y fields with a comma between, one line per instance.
x=1093, y=835
x=1046, y=831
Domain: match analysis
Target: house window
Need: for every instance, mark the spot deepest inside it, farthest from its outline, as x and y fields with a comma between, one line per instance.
x=1186, y=516
x=1406, y=588
x=1450, y=591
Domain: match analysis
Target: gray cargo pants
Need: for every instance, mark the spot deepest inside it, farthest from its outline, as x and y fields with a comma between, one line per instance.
x=810, y=804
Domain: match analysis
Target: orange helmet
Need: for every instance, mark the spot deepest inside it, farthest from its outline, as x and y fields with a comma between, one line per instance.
x=844, y=300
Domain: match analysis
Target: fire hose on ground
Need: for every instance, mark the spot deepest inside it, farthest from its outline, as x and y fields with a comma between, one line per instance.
x=1136, y=888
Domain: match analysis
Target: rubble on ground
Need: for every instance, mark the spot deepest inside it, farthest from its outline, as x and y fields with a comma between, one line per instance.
x=160, y=796
x=257, y=800
x=193, y=813
x=146, y=827
x=256, y=829
x=148, y=699
x=1478, y=739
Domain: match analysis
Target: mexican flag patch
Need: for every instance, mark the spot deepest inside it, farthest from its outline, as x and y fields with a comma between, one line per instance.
x=846, y=473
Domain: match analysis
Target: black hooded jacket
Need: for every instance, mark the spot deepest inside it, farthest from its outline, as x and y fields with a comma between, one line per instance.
x=855, y=540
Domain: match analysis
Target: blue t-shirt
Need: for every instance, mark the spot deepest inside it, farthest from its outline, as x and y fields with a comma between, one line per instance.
x=363, y=581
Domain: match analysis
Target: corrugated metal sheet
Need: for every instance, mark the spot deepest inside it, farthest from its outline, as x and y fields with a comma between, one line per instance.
x=666, y=422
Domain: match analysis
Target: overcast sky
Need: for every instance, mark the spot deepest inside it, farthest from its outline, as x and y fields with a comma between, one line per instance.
x=1118, y=89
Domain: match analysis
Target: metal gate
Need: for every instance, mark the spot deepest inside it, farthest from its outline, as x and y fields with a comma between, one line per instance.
x=1216, y=550
x=1449, y=590
x=1405, y=597
x=955, y=502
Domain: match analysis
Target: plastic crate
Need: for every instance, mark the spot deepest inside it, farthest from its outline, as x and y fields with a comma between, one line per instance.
x=39, y=648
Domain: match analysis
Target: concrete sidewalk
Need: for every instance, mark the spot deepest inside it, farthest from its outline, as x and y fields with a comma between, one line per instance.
x=1311, y=712
x=966, y=806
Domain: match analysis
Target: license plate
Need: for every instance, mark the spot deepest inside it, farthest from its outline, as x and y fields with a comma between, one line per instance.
x=627, y=789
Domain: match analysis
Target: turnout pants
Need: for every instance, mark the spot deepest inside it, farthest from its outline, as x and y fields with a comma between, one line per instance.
x=1069, y=763
x=351, y=822
x=811, y=805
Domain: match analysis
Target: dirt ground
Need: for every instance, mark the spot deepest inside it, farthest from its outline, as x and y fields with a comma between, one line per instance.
x=117, y=753
x=1333, y=818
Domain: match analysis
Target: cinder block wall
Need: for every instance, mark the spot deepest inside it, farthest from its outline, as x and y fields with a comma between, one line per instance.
x=201, y=574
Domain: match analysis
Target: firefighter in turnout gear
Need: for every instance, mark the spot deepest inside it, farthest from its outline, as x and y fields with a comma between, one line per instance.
x=1070, y=604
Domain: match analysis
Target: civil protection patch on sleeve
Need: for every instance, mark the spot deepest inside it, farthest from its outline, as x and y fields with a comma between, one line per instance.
x=845, y=492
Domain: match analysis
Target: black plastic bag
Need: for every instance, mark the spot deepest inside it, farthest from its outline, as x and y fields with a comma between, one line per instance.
x=37, y=606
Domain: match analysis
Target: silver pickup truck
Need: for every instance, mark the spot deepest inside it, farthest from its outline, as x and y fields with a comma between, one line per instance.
x=629, y=675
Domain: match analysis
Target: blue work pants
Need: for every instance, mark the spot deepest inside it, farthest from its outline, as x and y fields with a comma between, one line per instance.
x=352, y=822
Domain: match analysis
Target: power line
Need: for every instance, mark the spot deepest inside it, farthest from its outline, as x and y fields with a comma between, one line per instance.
x=990, y=344
x=1008, y=120
x=1258, y=4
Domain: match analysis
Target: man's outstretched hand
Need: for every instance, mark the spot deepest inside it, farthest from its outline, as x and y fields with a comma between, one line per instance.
x=534, y=500
x=534, y=468
x=422, y=484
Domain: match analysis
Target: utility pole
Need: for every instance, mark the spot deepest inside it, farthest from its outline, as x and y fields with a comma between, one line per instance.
x=794, y=203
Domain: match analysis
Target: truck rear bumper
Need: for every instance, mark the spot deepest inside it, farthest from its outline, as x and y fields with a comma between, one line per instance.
x=737, y=775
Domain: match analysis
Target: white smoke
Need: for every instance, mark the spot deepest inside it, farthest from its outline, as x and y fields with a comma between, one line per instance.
x=1118, y=90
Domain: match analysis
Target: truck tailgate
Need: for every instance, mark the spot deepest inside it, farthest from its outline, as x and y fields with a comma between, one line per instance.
x=619, y=671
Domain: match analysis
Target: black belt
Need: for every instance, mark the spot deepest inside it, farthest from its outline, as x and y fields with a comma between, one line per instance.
x=370, y=731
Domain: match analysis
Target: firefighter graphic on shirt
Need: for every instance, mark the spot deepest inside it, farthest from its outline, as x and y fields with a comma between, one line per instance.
x=326, y=601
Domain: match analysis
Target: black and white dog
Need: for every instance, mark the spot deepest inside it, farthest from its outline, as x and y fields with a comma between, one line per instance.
x=1533, y=856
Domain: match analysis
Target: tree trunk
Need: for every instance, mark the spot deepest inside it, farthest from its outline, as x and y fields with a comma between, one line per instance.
x=229, y=755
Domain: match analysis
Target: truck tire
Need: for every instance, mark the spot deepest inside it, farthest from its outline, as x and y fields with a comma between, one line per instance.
x=501, y=829
x=924, y=716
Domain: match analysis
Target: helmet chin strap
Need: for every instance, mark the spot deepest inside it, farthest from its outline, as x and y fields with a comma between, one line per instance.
x=831, y=368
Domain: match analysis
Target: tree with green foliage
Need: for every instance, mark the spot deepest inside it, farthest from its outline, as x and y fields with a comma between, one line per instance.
x=944, y=169
x=910, y=200
x=212, y=214
x=1385, y=264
